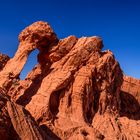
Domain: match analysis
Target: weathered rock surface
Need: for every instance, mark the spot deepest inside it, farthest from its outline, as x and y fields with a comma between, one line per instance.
x=6, y=128
x=75, y=92
x=3, y=60
x=16, y=122
x=130, y=94
x=23, y=123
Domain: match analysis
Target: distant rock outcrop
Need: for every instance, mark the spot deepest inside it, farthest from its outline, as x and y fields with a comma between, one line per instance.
x=75, y=92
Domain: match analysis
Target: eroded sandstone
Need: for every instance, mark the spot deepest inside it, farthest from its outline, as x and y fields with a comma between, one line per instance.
x=76, y=91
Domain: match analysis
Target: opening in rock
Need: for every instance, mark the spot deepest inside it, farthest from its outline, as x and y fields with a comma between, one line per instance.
x=31, y=62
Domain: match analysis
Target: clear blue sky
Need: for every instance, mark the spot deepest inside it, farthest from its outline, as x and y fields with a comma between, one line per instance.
x=116, y=21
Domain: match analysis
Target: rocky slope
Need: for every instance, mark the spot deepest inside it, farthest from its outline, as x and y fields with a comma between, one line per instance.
x=75, y=92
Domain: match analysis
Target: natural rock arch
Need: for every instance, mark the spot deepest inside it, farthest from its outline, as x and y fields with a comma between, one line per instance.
x=39, y=36
x=76, y=89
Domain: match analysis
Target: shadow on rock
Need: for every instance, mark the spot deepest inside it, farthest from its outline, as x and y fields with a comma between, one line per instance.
x=129, y=106
x=49, y=133
x=32, y=90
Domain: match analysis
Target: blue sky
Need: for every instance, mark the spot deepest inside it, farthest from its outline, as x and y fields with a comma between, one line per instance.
x=116, y=21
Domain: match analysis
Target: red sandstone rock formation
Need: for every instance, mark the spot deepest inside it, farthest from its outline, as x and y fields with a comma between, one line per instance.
x=75, y=92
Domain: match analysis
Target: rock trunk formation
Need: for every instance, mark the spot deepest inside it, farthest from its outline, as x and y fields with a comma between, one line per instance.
x=75, y=92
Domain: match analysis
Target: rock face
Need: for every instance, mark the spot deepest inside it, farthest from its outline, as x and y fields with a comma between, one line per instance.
x=16, y=122
x=130, y=94
x=75, y=92
x=3, y=60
